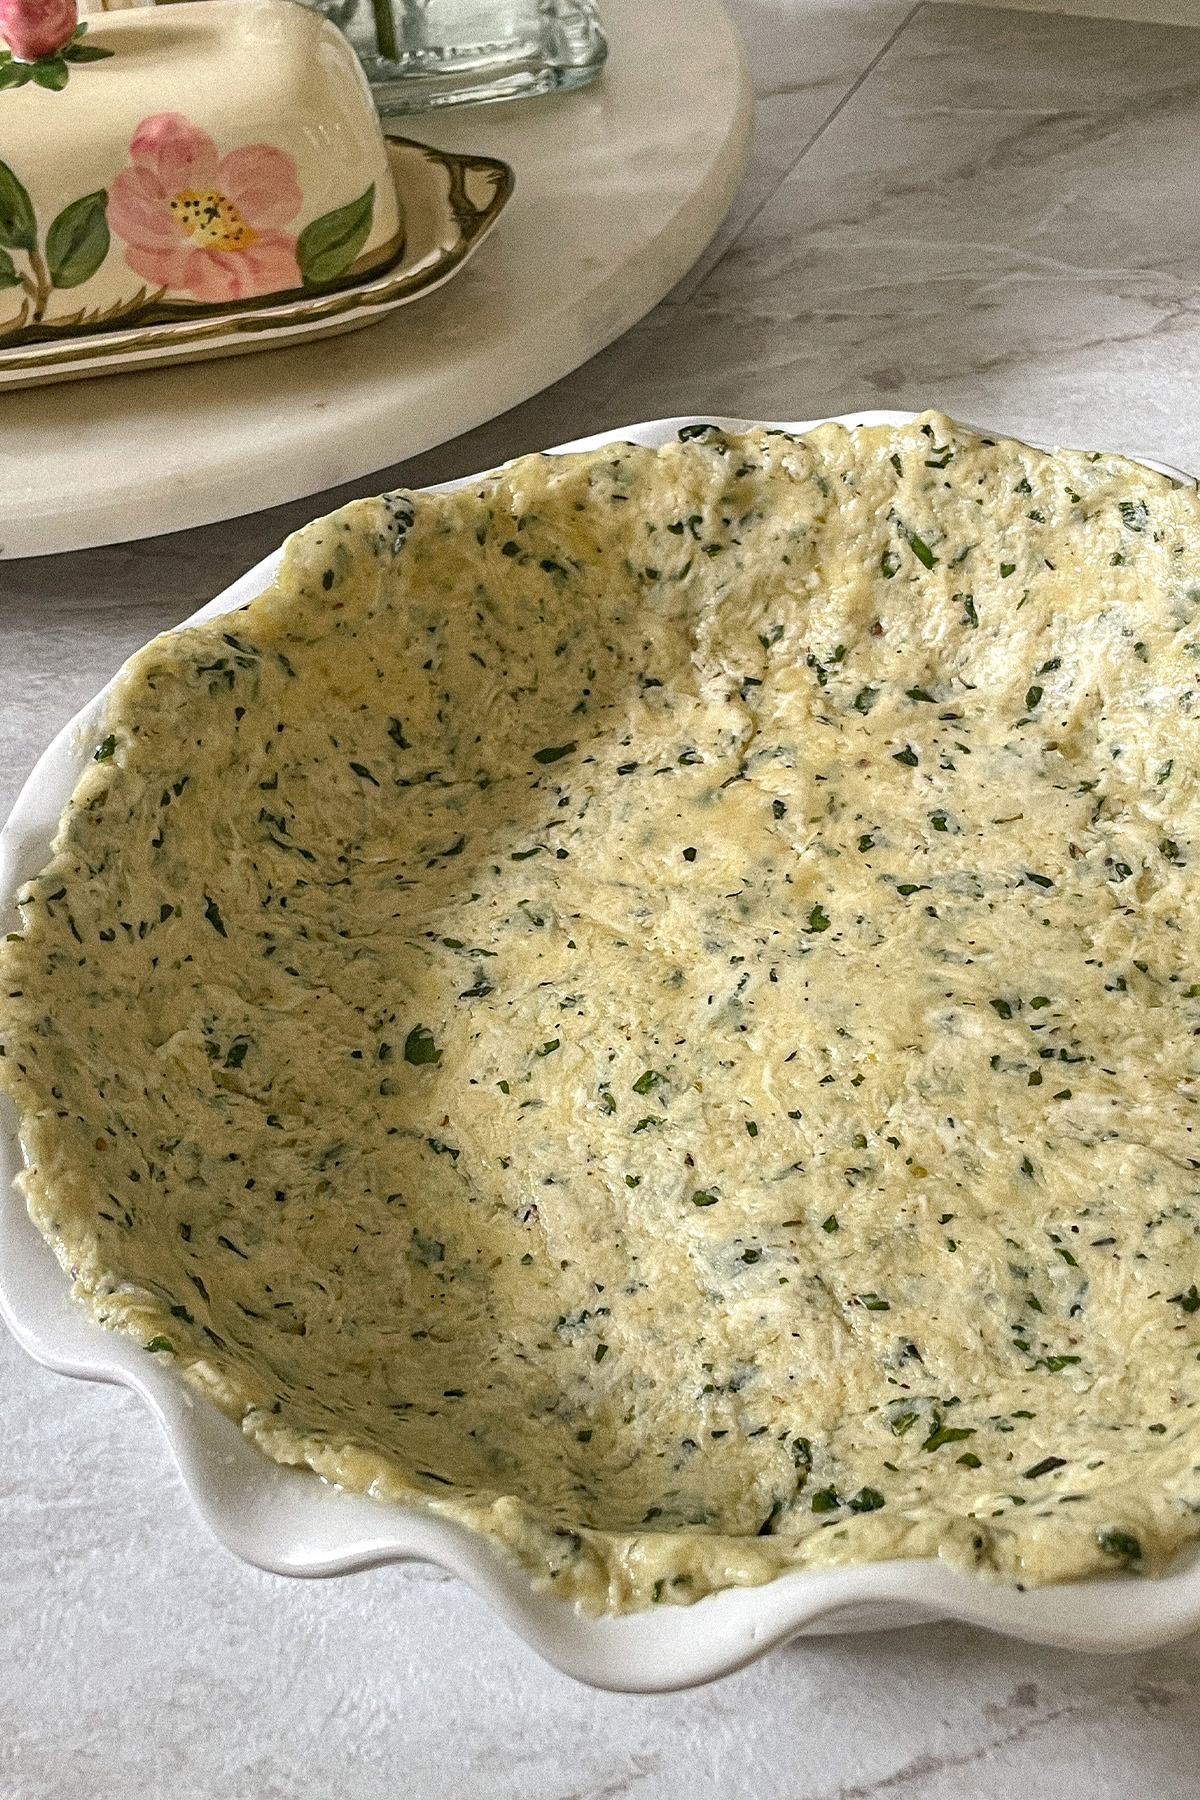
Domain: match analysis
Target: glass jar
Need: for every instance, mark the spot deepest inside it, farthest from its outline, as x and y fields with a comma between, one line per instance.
x=424, y=53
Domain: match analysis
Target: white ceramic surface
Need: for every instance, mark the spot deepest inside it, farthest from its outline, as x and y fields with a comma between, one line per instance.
x=291, y=1522
x=619, y=187
x=451, y=202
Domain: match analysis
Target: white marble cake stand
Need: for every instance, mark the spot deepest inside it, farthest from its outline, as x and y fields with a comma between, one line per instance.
x=619, y=187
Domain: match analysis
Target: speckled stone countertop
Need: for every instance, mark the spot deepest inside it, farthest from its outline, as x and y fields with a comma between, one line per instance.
x=995, y=212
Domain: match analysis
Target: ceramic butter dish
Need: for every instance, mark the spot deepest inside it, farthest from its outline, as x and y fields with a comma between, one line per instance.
x=185, y=161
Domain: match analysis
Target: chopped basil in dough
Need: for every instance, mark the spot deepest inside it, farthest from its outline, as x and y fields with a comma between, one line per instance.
x=650, y=1006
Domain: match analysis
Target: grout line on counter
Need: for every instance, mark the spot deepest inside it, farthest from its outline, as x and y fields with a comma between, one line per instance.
x=822, y=128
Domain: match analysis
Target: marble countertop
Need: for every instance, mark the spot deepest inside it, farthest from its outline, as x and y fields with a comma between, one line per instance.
x=991, y=211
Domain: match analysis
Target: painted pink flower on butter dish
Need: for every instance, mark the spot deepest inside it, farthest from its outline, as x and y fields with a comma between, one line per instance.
x=197, y=223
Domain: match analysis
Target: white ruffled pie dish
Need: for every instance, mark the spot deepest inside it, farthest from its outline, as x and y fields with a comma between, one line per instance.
x=289, y=1521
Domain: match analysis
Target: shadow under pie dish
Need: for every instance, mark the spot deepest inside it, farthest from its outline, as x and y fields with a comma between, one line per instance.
x=570, y=872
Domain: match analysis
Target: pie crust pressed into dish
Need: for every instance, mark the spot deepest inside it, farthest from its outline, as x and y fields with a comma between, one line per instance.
x=647, y=1005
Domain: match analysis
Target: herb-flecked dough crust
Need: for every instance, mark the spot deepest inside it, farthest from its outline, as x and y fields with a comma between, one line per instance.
x=650, y=1006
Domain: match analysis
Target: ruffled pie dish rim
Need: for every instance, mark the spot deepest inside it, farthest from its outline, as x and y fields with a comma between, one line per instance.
x=288, y=1521
x=455, y=226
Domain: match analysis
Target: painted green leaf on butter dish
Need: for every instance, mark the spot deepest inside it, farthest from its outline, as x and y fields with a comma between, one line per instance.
x=51, y=72
x=328, y=246
x=18, y=227
x=86, y=53
x=77, y=241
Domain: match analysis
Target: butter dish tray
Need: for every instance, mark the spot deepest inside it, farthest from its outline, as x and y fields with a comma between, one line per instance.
x=450, y=203
x=290, y=1522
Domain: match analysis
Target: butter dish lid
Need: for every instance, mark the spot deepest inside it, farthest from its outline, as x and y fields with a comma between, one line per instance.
x=197, y=156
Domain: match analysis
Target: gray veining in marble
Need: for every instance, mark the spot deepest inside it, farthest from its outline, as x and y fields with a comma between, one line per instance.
x=1004, y=220
x=994, y=211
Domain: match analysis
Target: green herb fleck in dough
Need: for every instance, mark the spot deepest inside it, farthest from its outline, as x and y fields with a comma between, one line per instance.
x=419, y=1046
x=427, y=1250
x=867, y=1499
x=1045, y=1467
x=947, y=1434
x=1120, y=1544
